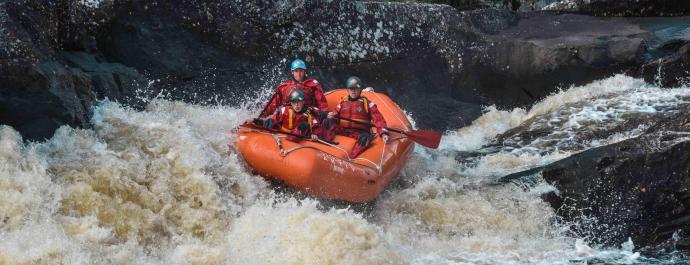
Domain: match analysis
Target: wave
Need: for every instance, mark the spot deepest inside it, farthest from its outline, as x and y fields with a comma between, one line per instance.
x=163, y=186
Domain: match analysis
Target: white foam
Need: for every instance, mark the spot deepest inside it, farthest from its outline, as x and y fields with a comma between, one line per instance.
x=565, y=123
x=495, y=121
x=296, y=232
x=162, y=186
x=91, y=3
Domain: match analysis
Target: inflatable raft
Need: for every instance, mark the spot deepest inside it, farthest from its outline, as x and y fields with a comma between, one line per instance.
x=324, y=170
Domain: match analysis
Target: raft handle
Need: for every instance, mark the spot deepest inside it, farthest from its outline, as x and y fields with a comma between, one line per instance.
x=280, y=145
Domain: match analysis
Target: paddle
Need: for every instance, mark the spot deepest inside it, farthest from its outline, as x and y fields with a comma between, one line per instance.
x=426, y=138
x=257, y=127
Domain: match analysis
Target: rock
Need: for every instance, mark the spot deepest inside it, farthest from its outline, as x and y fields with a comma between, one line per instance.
x=477, y=4
x=203, y=56
x=672, y=70
x=484, y=52
x=207, y=51
x=39, y=98
x=638, y=188
x=179, y=60
x=44, y=87
x=620, y=8
x=109, y=80
x=541, y=52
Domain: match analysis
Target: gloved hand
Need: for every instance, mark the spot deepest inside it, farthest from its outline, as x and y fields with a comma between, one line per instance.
x=268, y=123
x=328, y=123
x=258, y=121
x=303, y=127
x=385, y=137
x=322, y=115
x=363, y=139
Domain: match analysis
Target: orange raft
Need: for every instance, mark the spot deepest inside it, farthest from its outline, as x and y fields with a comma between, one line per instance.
x=324, y=170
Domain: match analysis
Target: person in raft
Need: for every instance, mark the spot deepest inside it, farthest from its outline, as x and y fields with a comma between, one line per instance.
x=355, y=107
x=297, y=118
x=313, y=93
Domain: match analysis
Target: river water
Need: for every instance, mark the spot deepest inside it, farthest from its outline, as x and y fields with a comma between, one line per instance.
x=162, y=186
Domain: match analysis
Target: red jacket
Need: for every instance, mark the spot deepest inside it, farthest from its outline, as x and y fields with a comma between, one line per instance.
x=287, y=120
x=360, y=109
x=311, y=88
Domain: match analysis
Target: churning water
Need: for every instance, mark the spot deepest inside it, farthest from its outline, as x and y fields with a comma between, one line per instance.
x=162, y=186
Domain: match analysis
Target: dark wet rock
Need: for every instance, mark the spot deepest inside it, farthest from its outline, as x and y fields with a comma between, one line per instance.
x=672, y=70
x=183, y=64
x=478, y=57
x=38, y=98
x=43, y=86
x=531, y=59
x=108, y=80
x=638, y=188
x=628, y=8
x=440, y=63
x=228, y=50
x=477, y=4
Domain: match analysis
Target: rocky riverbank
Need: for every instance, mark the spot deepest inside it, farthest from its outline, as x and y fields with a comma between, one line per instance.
x=636, y=188
x=58, y=57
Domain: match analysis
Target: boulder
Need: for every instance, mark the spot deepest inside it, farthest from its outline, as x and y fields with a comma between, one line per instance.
x=184, y=65
x=472, y=58
x=672, y=70
x=637, y=188
x=208, y=51
x=620, y=8
x=234, y=50
x=541, y=52
x=43, y=86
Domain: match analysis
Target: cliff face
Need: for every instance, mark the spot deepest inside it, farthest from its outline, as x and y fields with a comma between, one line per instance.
x=59, y=56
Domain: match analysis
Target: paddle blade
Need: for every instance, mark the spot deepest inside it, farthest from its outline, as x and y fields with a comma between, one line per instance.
x=426, y=138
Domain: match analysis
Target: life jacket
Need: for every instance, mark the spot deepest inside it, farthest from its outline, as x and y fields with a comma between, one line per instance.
x=289, y=119
x=355, y=110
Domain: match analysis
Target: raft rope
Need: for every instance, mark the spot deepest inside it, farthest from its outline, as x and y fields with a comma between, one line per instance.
x=383, y=151
x=288, y=151
x=377, y=167
x=280, y=144
x=284, y=152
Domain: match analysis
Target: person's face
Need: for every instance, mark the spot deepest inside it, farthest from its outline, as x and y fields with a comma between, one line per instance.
x=297, y=105
x=354, y=92
x=298, y=74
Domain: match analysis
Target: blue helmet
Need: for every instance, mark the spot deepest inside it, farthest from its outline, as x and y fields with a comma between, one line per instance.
x=298, y=64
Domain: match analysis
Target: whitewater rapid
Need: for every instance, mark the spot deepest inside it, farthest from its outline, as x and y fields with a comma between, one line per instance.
x=162, y=186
